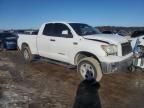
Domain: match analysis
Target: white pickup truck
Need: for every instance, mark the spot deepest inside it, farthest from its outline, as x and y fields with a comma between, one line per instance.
x=79, y=45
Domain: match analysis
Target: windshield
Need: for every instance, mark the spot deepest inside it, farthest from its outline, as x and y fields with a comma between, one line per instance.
x=84, y=29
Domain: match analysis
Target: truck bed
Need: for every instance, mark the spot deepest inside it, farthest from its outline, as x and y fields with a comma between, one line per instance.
x=30, y=39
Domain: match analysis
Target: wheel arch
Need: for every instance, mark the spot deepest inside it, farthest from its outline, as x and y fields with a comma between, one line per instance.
x=79, y=55
x=24, y=44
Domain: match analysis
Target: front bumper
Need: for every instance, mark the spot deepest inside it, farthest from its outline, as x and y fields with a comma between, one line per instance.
x=116, y=66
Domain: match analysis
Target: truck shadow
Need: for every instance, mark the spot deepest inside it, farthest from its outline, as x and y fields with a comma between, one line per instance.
x=87, y=95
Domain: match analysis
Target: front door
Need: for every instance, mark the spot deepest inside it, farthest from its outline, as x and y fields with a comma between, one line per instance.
x=62, y=43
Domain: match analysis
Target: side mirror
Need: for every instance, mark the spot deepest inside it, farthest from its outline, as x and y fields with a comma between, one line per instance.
x=65, y=32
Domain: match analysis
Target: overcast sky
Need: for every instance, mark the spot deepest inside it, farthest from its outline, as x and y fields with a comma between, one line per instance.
x=19, y=14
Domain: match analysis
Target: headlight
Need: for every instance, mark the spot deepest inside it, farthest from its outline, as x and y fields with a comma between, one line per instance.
x=110, y=49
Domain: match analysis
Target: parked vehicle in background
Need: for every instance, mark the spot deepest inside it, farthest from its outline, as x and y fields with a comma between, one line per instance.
x=35, y=32
x=137, y=42
x=122, y=33
x=8, y=41
x=137, y=35
x=107, y=32
x=80, y=45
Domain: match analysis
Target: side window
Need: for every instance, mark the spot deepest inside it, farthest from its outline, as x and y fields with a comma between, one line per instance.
x=48, y=29
x=61, y=30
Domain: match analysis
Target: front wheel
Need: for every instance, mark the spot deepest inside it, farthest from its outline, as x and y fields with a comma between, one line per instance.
x=89, y=68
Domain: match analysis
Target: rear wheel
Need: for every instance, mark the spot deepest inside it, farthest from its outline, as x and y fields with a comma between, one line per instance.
x=89, y=68
x=27, y=54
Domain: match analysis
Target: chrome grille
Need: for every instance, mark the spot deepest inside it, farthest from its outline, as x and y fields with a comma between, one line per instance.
x=126, y=48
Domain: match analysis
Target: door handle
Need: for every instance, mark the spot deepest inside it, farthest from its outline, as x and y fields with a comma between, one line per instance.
x=52, y=40
x=75, y=43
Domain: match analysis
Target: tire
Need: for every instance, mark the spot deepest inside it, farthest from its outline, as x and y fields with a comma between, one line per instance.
x=0, y=46
x=27, y=54
x=142, y=69
x=89, y=68
x=80, y=57
x=131, y=68
x=3, y=47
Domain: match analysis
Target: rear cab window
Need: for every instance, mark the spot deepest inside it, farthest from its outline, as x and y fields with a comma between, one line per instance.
x=48, y=30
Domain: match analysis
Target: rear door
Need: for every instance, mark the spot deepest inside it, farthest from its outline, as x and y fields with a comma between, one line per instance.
x=44, y=43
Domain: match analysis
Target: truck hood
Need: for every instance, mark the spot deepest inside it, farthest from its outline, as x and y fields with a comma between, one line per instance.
x=107, y=38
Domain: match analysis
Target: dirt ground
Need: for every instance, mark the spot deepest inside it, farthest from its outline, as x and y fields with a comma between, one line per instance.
x=44, y=85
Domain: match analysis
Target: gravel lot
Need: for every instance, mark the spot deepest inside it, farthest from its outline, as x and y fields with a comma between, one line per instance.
x=44, y=85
